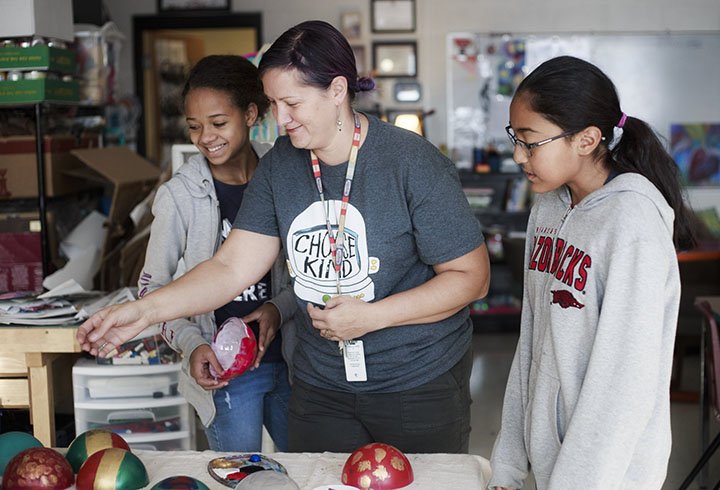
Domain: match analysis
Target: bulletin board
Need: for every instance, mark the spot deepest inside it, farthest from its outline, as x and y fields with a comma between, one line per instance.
x=666, y=79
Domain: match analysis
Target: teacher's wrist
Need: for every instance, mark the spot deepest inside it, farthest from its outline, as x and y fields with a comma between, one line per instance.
x=379, y=316
x=150, y=311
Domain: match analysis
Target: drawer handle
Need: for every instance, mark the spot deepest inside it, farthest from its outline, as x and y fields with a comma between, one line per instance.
x=130, y=416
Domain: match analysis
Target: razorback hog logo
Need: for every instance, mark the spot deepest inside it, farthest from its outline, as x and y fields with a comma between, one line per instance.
x=565, y=299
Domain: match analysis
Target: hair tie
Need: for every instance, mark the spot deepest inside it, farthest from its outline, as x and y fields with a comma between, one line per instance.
x=622, y=121
x=365, y=84
x=617, y=132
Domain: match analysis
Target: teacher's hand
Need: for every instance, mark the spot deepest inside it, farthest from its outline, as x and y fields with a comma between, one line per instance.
x=344, y=318
x=111, y=327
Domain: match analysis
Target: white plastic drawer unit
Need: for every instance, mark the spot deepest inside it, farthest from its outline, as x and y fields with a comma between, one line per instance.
x=96, y=382
x=181, y=444
x=138, y=402
x=154, y=386
x=124, y=420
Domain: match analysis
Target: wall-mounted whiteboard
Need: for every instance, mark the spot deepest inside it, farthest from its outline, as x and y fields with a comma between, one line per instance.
x=663, y=78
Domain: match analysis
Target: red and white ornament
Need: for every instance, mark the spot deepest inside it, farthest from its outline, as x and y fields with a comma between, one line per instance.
x=235, y=347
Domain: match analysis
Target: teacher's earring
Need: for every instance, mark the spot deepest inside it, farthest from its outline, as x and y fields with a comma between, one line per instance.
x=339, y=125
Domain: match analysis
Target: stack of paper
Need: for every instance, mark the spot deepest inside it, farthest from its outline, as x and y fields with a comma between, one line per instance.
x=67, y=304
x=35, y=311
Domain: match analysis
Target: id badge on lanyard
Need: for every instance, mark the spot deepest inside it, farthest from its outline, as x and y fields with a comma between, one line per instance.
x=354, y=359
x=352, y=350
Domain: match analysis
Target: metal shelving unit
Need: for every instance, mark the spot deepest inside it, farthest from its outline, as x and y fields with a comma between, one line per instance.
x=39, y=111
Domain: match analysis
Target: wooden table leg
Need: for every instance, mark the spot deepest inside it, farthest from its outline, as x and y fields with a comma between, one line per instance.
x=42, y=407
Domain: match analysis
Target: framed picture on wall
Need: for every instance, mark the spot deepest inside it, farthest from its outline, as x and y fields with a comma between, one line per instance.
x=393, y=15
x=351, y=25
x=395, y=59
x=183, y=5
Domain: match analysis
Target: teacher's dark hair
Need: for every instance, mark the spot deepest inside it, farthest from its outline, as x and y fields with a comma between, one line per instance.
x=574, y=95
x=320, y=53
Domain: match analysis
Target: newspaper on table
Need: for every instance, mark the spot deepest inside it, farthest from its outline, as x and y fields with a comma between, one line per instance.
x=67, y=304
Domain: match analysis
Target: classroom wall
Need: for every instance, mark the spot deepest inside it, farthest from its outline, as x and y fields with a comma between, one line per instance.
x=435, y=19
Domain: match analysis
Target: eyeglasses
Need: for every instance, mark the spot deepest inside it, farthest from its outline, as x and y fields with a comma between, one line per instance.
x=528, y=147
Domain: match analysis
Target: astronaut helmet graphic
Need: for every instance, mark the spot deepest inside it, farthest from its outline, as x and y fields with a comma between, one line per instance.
x=310, y=258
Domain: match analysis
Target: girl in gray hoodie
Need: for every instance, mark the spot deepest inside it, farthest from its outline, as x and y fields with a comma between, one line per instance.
x=193, y=213
x=587, y=402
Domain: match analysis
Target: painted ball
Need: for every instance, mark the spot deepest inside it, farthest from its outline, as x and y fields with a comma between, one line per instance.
x=90, y=442
x=12, y=443
x=378, y=466
x=235, y=347
x=267, y=480
x=180, y=483
x=112, y=469
x=38, y=468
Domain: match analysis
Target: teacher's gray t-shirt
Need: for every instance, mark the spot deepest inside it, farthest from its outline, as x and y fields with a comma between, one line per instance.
x=407, y=212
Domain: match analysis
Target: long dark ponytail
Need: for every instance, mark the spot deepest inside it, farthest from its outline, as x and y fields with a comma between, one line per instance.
x=575, y=94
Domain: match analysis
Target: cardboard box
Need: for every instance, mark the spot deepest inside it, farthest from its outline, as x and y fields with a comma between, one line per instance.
x=131, y=178
x=38, y=58
x=127, y=177
x=41, y=90
x=18, y=166
x=46, y=18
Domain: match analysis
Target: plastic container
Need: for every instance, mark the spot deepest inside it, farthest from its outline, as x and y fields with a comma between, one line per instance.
x=161, y=420
x=98, y=60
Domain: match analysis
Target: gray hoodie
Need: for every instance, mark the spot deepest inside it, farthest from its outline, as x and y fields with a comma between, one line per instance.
x=587, y=401
x=186, y=218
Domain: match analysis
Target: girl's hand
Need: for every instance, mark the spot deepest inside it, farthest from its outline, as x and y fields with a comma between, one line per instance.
x=344, y=318
x=268, y=319
x=200, y=360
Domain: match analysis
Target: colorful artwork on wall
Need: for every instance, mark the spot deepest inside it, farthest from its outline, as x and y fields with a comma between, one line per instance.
x=696, y=150
x=510, y=70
